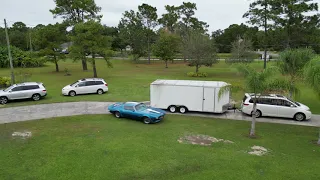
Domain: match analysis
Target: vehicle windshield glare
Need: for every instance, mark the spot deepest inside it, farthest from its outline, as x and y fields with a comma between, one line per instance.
x=6, y=90
x=141, y=107
x=74, y=83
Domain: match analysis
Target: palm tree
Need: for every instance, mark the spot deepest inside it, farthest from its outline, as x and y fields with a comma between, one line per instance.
x=259, y=83
x=312, y=77
x=292, y=62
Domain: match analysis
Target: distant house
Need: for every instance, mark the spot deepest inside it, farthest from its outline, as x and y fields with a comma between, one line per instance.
x=65, y=47
x=128, y=48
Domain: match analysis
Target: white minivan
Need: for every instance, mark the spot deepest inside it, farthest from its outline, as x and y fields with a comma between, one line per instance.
x=86, y=86
x=274, y=105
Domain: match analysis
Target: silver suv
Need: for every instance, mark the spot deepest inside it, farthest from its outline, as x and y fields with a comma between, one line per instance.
x=25, y=90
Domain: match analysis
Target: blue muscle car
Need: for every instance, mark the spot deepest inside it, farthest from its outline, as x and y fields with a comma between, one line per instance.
x=137, y=111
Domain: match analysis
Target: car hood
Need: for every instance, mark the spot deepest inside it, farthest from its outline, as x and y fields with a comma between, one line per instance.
x=304, y=106
x=2, y=92
x=67, y=87
x=154, y=111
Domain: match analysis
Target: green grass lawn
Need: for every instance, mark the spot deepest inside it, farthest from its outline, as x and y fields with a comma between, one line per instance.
x=130, y=82
x=103, y=147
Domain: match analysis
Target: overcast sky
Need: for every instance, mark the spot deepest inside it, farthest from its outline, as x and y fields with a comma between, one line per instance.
x=219, y=14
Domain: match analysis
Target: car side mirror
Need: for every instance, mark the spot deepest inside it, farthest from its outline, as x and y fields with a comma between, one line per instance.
x=76, y=86
x=292, y=106
x=10, y=91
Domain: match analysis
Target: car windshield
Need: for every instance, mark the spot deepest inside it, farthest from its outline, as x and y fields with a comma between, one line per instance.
x=141, y=107
x=5, y=90
x=296, y=103
x=74, y=83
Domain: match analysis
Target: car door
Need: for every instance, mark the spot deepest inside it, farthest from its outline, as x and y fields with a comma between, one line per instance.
x=80, y=88
x=266, y=107
x=128, y=112
x=287, y=109
x=16, y=93
x=91, y=87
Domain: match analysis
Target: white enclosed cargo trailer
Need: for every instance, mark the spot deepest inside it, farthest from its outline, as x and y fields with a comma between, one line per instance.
x=188, y=95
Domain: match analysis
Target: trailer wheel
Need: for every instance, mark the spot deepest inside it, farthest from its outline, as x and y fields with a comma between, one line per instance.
x=172, y=109
x=183, y=109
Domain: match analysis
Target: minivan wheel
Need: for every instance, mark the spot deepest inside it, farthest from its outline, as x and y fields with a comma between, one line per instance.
x=72, y=93
x=36, y=97
x=257, y=114
x=3, y=100
x=172, y=109
x=299, y=117
x=100, y=91
x=146, y=120
x=183, y=110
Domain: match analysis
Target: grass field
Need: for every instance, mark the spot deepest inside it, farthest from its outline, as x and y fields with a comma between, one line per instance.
x=103, y=147
x=130, y=82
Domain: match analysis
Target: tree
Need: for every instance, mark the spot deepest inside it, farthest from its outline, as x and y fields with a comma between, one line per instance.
x=241, y=51
x=259, y=83
x=88, y=38
x=131, y=33
x=260, y=12
x=201, y=50
x=166, y=46
x=77, y=11
x=18, y=34
x=312, y=77
x=292, y=61
x=170, y=19
x=149, y=19
x=48, y=40
x=296, y=17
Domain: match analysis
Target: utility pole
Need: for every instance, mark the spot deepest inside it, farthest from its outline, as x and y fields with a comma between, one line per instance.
x=9, y=53
x=265, y=35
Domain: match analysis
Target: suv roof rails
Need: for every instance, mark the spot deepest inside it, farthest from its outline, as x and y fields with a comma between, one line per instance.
x=84, y=79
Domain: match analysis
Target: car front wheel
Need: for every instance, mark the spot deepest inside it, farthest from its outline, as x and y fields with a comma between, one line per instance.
x=72, y=93
x=117, y=114
x=299, y=117
x=146, y=120
x=3, y=100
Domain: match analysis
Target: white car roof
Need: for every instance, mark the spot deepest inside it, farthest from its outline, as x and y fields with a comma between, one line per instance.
x=91, y=79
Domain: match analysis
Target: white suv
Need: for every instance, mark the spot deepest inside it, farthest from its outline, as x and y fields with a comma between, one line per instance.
x=86, y=86
x=25, y=90
x=276, y=106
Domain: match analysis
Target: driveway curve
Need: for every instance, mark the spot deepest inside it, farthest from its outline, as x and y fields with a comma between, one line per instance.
x=43, y=111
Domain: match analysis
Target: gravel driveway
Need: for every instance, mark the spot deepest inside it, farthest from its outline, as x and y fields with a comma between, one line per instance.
x=42, y=111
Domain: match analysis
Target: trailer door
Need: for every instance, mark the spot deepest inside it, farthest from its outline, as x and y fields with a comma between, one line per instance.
x=208, y=99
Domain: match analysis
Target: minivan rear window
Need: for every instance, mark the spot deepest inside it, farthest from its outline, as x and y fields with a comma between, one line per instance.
x=244, y=98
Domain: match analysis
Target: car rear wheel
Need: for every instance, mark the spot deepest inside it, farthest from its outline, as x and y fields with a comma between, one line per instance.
x=172, y=109
x=3, y=100
x=146, y=120
x=72, y=93
x=117, y=114
x=299, y=117
x=183, y=110
x=257, y=114
x=100, y=91
x=36, y=97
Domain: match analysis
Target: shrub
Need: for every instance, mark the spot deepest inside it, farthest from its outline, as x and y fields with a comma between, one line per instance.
x=5, y=82
x=193, y=74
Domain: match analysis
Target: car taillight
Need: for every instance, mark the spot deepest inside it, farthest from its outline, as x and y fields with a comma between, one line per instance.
x=44, y=90
x=246, y=104
x=106, y=84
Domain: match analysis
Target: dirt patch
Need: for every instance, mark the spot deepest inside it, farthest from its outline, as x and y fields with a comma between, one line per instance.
x=24, y=135
x=202, y=140
x=258, y=151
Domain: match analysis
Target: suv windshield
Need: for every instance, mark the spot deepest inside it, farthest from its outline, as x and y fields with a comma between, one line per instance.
x=296, y=103
x=5, y=90
x=141, y=107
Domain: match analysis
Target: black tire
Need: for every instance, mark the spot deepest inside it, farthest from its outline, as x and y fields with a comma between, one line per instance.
x=299, y=117
x=183, y=109
x=117, y=114
x=36, y=97
x=72, y=93
x=3, y=100
x=258, y=113
x=172, y=108
x=146, y=120
x=100, y=91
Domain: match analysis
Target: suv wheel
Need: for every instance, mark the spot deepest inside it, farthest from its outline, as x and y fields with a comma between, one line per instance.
x=3, y=100
x=257, y=114
x=299, y=117
x=100, y=91
x=36, y=97
x=72, y=93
